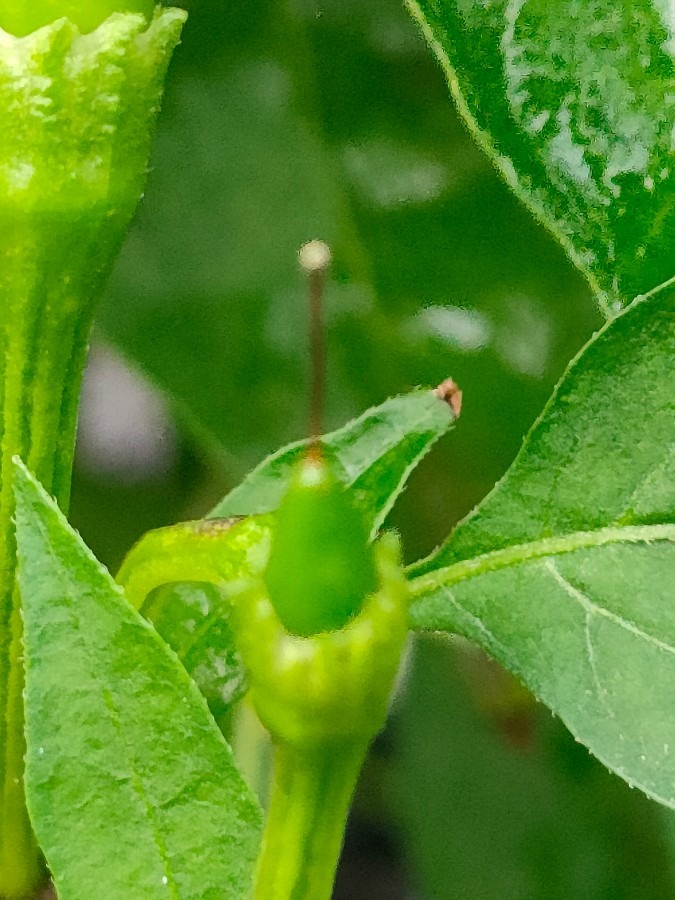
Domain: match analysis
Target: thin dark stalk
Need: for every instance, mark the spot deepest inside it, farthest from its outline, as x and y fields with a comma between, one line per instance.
x=315, y=258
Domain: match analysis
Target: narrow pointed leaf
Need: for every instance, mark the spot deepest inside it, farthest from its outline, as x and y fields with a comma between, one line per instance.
x=131, y=787
x=566, y=572
x=377, y=453
x=573, y=101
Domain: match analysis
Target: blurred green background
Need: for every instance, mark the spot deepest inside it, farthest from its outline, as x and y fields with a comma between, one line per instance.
x=287, y=120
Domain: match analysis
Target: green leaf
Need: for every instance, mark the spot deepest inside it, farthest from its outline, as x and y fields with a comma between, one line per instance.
x=573, y=102
x=131, y=787
x=565, y=573
x=496, y=801
x=377, y=453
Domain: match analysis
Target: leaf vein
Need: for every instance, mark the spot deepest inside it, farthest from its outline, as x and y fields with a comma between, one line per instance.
x=489, y=642
x=517, y=554
x=593, y=608
x=571, y=591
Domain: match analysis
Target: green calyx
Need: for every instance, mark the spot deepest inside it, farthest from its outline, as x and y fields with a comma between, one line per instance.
x=331, y=688
x=78, y=114
x=321, y=565
x=21, y=17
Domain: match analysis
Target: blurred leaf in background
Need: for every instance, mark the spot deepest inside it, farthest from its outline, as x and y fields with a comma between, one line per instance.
x=497, y=800
x=287, y=120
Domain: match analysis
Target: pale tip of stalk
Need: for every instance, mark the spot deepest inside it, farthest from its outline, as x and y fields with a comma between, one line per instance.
x=314, y=256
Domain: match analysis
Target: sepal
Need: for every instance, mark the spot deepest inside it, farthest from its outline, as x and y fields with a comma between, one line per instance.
x=21, y=18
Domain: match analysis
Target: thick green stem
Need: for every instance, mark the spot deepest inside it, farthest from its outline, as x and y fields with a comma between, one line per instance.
x=77, y=115
x=43, y=333
x=311, y=793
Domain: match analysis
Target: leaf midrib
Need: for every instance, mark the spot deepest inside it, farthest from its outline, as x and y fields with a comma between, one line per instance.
x=516, y=554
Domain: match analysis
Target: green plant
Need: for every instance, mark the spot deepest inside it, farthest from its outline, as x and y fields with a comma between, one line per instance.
x=19, y=19
x=77, y=116
x=563, y=573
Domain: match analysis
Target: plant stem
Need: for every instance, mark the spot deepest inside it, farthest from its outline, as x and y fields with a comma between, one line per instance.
x=311, y=793
x=43, y=337
x=77, y=116
x=323, y=699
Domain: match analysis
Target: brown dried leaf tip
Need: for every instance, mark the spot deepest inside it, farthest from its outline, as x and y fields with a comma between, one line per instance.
x=449, y=391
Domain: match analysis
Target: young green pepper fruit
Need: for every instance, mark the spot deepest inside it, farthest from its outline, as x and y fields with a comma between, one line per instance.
x=321, y=564
x=21, y=17
x=331, y=688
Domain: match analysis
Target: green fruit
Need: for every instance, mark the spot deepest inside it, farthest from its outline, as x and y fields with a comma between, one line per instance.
x=21, y=17
x=321, y=566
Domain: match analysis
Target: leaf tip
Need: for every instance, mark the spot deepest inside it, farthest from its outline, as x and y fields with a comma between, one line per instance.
x=23, y=478
x=450, y=392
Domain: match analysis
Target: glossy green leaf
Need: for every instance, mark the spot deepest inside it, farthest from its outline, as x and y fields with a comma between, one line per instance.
x=376, y=452
x=566, y=572
x=131, y=787
x=574, y=103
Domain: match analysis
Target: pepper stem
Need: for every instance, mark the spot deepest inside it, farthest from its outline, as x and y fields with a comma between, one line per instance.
x=311, y=794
